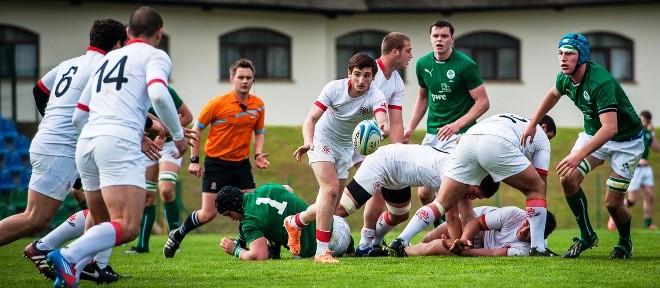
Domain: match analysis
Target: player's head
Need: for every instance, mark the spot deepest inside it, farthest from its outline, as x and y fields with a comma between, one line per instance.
x=392, y=41
x=360, y=61
x=442, y=24
x=145, y=21
x=645, y=115
x=489, y=186
x=550, y=225
x=229, y=198
x=106, y=33
x=241, y=63
x=575, y=42
x=548, y=125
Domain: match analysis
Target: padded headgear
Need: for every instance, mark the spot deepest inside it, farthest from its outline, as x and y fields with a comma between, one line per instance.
x=229, y=198
x=489, y=186
x=579, y=43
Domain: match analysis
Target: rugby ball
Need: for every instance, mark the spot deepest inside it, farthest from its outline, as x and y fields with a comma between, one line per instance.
x=366, y=137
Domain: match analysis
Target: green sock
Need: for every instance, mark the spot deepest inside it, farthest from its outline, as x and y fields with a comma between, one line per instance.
x=578, y=205
x=439, y=221
x=624, y=234
x=647, y=222
x=172, y=214
x=145, y=227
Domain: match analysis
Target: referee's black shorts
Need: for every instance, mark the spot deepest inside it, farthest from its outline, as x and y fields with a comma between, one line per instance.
x=219, y=173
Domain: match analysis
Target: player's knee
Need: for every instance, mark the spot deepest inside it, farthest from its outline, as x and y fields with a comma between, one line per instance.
x=425, y=195
x=570, y=183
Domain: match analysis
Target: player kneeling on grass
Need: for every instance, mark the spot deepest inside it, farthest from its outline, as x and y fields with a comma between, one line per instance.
x=262, y=213
x=493, y=232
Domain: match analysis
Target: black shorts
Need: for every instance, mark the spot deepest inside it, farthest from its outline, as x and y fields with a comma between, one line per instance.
x=219, y=173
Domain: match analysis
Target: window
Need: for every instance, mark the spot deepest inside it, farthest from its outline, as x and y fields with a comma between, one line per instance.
x=613, y=52
x=18, y=53
x=366, y=41
x=497, y=55
x=270, y=52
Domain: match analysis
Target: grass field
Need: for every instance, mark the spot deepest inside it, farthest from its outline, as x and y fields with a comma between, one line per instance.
x=202, y=264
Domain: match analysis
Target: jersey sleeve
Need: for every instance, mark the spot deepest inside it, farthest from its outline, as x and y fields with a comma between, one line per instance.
x=541, y=156
x=47, y=82
x=420, y=74
x=379, y=105
x=395, y=100
x=327, y=97
x=159, y=67
x=250, y=230
x=605, y=97
x=178, y=102
x=207, y=115
x=560, y=84
x=472, y=76
x=494, y=219
x=259, y=126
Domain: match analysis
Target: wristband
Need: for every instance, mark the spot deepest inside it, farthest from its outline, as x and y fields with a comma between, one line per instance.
x=237, y=251
x=256, y=155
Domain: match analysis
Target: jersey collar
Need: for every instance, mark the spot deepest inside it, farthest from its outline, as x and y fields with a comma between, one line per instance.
x=135, y=40
x=95, y=49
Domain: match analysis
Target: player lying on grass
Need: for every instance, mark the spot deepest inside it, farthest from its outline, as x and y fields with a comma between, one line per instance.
x=393, y=169
x=492, y=232
x=261, y=214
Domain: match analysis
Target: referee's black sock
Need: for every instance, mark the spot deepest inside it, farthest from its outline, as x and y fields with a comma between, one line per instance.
x=190, y=224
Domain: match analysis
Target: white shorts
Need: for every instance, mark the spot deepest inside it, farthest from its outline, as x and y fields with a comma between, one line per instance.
x=52, y=176
x=357, y=157
x=169, y=149
x=447, y=145
x=340, y=156
x=109, y=161
x=643, y=177
x=624, y=156
x=476, y=156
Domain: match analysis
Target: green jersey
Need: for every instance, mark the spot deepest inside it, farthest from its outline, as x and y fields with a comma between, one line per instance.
x=448, y=84
x=598, y=93
x=264, y=211
x=648, y=138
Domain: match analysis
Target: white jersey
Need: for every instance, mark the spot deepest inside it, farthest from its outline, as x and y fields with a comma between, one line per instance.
x=511, y=127
x=64, y=84
x=392, y=88
x=118, y=97
x=396, y=166
x=343, y=113
x=503, y=224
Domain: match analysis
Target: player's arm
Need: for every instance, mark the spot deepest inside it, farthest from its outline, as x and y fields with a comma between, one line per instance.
x=655, y=145
x=313, y=116
x=549, y=101
x=81, y=113
x=258, y=249
x=41, y=95
x=465, y=210
x=481, y=105
x=485, y=252
x=383, y=122
x=453, y=223
x=396, y=125
x=419, y=109
x=185, y=116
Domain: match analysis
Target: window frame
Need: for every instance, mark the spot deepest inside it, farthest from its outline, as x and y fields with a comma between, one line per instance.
x=493, y=50
x=607, y=51
x=359, y=48
x=243, y=47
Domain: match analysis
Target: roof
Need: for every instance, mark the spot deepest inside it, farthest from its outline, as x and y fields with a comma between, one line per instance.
x=335, y=7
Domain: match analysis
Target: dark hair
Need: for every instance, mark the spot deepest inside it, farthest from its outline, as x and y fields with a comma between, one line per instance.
x=242, y=63
x=646, y=114
x=361, y=61
x=550, y=225
x=145, y=21
x=549, y=124
x=442, y=24
x=489, y=186
x=229, y=198
x=105, y=33
x=394, y=40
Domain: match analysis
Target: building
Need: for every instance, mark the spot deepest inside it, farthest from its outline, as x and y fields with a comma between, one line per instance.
x=299, y=46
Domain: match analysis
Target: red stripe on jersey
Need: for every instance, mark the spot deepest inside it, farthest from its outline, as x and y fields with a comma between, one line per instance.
x=135, y=40
x=536, y=202
x=380, y=110
x=156, y=81
x=43, y=87
x=83, y=107
x=95, y=49
x=482, y=221
x=542, y=171
x=380, y=65
x=395, y=107
x=317, y=103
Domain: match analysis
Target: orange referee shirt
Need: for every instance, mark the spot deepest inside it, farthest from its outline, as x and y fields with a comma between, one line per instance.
x=231, y=126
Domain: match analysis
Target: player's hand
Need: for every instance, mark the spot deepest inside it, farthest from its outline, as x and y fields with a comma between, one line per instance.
x=446, y=242
x=181, y=146
x=191, y=136
x=302, y=150
x=196, y=169
x=529, y=132
x=460, y=245
x=150, y=149
x=159, y=141
x=407, y=133
x=261, y=161
x=643, y=162
x=445, y=132
x=157, y=129
x=227, y=244
x=568, y=165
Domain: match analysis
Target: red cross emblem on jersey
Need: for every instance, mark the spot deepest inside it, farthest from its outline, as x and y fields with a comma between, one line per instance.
x=363, y=111
x=376, y=185
x=326, y=149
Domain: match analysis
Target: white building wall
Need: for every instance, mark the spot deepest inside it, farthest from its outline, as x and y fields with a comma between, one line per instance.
x=194, y=39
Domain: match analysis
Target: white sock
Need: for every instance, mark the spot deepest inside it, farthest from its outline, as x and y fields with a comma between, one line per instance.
x=98, y=238
x=366, y=237
x=536, y=217
x=72, y=228
x=422, y=219
x=383, y=226
x=102, y=258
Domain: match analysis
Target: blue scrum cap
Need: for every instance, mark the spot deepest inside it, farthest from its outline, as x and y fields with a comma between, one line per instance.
x=576, y=42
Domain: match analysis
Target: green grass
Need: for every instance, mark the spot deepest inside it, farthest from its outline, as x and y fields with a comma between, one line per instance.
x=282, y=141
x=201, y=263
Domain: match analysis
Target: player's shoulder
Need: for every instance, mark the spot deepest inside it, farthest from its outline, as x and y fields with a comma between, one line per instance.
x=426, y=59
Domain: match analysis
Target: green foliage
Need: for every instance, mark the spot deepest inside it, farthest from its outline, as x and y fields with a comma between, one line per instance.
x=282, y=141
x=201, y=263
